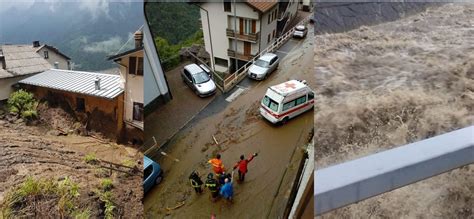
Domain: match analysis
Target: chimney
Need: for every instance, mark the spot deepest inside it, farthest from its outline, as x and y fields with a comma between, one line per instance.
x=36, y=43
x=2, y=59
x=138, y=39
x=56, y=65
x=97, y=83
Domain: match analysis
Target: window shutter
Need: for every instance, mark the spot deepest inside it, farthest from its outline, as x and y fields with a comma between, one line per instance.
x=254, y=26
x=132, y=64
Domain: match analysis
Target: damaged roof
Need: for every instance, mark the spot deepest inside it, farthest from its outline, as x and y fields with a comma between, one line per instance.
x=262, y=6
x=78, y=82
x=22, y=60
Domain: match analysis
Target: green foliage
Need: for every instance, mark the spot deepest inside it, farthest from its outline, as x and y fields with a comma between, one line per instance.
x=128, y=163
x=106, y=184
x=106, y=198
x=65, y=192
x=169, y=54
x=173, y=21
x=83, y=214
x=90, y=158
x=23, y=104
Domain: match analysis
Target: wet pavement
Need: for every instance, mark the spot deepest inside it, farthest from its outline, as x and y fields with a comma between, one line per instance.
x=172, y=116
x=238, y=129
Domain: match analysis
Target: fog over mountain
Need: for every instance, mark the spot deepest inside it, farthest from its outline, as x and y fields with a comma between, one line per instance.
x=86, y=31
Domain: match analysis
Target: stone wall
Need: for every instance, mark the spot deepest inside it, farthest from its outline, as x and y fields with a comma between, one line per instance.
x=333, y=17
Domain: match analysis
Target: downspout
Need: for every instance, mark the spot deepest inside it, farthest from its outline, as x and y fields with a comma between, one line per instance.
x=210, y=36
x=235, y=39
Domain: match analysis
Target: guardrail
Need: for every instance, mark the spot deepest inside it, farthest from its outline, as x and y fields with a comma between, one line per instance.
x=234, y=78
x=356, y=180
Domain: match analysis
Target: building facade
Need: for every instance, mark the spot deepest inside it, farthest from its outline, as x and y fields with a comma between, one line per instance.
x=51, y=54
x=248, y=28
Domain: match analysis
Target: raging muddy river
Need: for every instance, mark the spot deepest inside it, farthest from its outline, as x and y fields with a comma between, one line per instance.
x=238, y=129
x=395, y=83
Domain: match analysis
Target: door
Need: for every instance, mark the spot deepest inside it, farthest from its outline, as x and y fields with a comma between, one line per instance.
x=247, y=48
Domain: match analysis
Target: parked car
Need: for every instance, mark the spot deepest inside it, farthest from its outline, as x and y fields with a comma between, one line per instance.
x=263, y=66
x=152, y=174
x=300, y=31
x=199, y=79
x=286, y=100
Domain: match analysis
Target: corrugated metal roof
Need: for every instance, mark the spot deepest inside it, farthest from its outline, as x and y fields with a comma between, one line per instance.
x=22, y=60
x=77, y=82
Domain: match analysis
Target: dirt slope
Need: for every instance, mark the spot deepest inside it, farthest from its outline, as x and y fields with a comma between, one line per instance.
x=395, y=83
x=31, y=151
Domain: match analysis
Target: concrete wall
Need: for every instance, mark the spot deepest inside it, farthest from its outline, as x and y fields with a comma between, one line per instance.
x=6, y=86
x=54, y=57
x=343, y=16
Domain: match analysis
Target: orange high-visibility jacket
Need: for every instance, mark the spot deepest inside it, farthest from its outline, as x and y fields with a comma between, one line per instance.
x=217, y=165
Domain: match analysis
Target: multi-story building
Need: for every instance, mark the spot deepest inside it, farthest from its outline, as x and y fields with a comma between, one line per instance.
x=234, y=32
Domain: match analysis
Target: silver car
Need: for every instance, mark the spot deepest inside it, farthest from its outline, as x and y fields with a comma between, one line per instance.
x=300, y=31
x=198, y=78
x=263, y=66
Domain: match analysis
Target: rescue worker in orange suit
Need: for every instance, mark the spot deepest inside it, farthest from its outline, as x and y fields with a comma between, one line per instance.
x=217, y=165
x=242, y=165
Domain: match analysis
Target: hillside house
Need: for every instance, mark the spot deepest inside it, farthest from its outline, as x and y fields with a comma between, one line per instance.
x=131, y=72
x=18, y=62
x=51, y=54
x=235, y=32
x=96, y=99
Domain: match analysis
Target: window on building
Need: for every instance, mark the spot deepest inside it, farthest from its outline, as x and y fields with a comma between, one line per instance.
x=46, y=55
x=135, y=65
x=221, y=62
x=247, y=26
x=227, y=6
x=269, y=17
x=274, y=33
x=80, y=104
x=132, y=64
x=140, y=66
x=137, y=111
x=268, y=40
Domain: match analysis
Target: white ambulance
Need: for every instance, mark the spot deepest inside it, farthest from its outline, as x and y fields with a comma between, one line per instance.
x=286, y=100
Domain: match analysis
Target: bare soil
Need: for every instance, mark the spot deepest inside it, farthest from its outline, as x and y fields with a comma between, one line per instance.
x=395, y=83
x=37, y=151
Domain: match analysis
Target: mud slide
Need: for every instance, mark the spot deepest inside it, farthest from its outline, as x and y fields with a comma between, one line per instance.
x=36, y=152
x=395, y=83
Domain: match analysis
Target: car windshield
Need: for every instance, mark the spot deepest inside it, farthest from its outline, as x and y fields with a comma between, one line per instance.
x=268, y=102
x=201, y=77
x=147, y=172
x=261, y=63
x=301, y=28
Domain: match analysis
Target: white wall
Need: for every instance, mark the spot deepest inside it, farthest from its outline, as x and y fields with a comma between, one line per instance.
x=218, y=21
x=54, y=57
x=268, y=28
x=133, y=86
x=6, y=86
x=293, y=8
x=155, y=83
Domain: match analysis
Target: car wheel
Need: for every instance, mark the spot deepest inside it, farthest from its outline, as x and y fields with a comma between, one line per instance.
x=285, y=120
x=158, y=180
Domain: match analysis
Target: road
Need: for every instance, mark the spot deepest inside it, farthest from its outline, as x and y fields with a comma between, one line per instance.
x=237, y=126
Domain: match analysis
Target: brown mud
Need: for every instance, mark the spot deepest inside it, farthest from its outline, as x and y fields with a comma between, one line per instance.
x=396, y=83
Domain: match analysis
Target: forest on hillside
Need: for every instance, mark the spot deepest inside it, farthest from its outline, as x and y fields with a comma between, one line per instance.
x=174, y=25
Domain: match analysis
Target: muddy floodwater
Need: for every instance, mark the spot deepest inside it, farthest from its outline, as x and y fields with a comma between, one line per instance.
x=238, y=129
x=395, y=83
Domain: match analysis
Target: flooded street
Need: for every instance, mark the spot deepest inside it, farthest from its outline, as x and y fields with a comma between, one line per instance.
x=392, y=84
x=238, y=129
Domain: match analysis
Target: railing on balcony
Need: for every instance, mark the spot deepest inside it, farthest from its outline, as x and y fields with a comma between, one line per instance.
x=237, y=55
x=248, y=37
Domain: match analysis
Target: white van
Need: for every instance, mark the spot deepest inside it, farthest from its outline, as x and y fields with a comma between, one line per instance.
x=286, y=100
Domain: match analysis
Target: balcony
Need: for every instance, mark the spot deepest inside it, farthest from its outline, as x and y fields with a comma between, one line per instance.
x=251, y=37
x=231, y=53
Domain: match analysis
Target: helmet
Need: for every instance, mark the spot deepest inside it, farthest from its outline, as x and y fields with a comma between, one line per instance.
x=210, y=176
